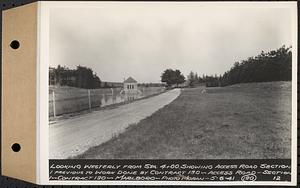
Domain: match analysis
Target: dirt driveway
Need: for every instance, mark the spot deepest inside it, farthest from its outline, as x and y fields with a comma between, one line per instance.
x=74, y=136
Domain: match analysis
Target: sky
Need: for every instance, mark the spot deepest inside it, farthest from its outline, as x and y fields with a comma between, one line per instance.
x=118, y=40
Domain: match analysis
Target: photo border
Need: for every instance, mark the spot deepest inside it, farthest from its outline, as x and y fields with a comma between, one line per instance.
x=42, y=73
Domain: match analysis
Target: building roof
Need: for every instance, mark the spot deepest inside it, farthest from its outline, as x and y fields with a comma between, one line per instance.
x=130, y=80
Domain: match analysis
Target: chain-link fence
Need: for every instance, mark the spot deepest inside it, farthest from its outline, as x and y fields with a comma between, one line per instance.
x=63, y=100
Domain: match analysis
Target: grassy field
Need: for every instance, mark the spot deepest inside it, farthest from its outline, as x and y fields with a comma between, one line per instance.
x=240, y=121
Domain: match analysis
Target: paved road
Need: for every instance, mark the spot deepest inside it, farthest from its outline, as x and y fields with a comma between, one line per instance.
x=74, y=136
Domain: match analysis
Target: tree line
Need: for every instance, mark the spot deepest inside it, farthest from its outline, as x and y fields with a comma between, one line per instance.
x=82, y=77
x=275, y=65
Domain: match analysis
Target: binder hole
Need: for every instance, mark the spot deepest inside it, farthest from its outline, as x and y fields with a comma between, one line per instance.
x=16, y=147
x=14, y=44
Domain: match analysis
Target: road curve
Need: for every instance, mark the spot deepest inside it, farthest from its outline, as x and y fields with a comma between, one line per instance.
x=74, y=136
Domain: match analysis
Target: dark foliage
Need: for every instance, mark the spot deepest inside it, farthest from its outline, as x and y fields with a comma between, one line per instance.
x=212, y=81
x=172, y=77
x=275, y=65
x=81, y=77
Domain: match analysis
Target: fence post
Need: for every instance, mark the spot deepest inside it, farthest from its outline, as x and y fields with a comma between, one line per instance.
x=53, y=104
x=112, y=95
x=89, y=95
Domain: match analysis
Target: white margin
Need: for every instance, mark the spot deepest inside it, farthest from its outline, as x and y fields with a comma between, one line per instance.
x=38, y=160
x=43, y=93
x=294, y=18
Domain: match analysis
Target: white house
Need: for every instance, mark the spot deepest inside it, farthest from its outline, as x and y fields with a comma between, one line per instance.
x=130, y=85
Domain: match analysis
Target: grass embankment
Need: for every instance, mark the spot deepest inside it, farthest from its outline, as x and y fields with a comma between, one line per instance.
x=241, y=121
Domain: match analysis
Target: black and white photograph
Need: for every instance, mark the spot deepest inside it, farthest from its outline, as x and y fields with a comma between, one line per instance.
x=170, y=81
x=150, y=93
x=171, y=92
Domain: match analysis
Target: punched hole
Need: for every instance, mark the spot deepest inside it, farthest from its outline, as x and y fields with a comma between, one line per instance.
x=16, y=147
x=14, y=44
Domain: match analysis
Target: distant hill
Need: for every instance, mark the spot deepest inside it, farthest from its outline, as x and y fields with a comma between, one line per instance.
x=111, y=84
